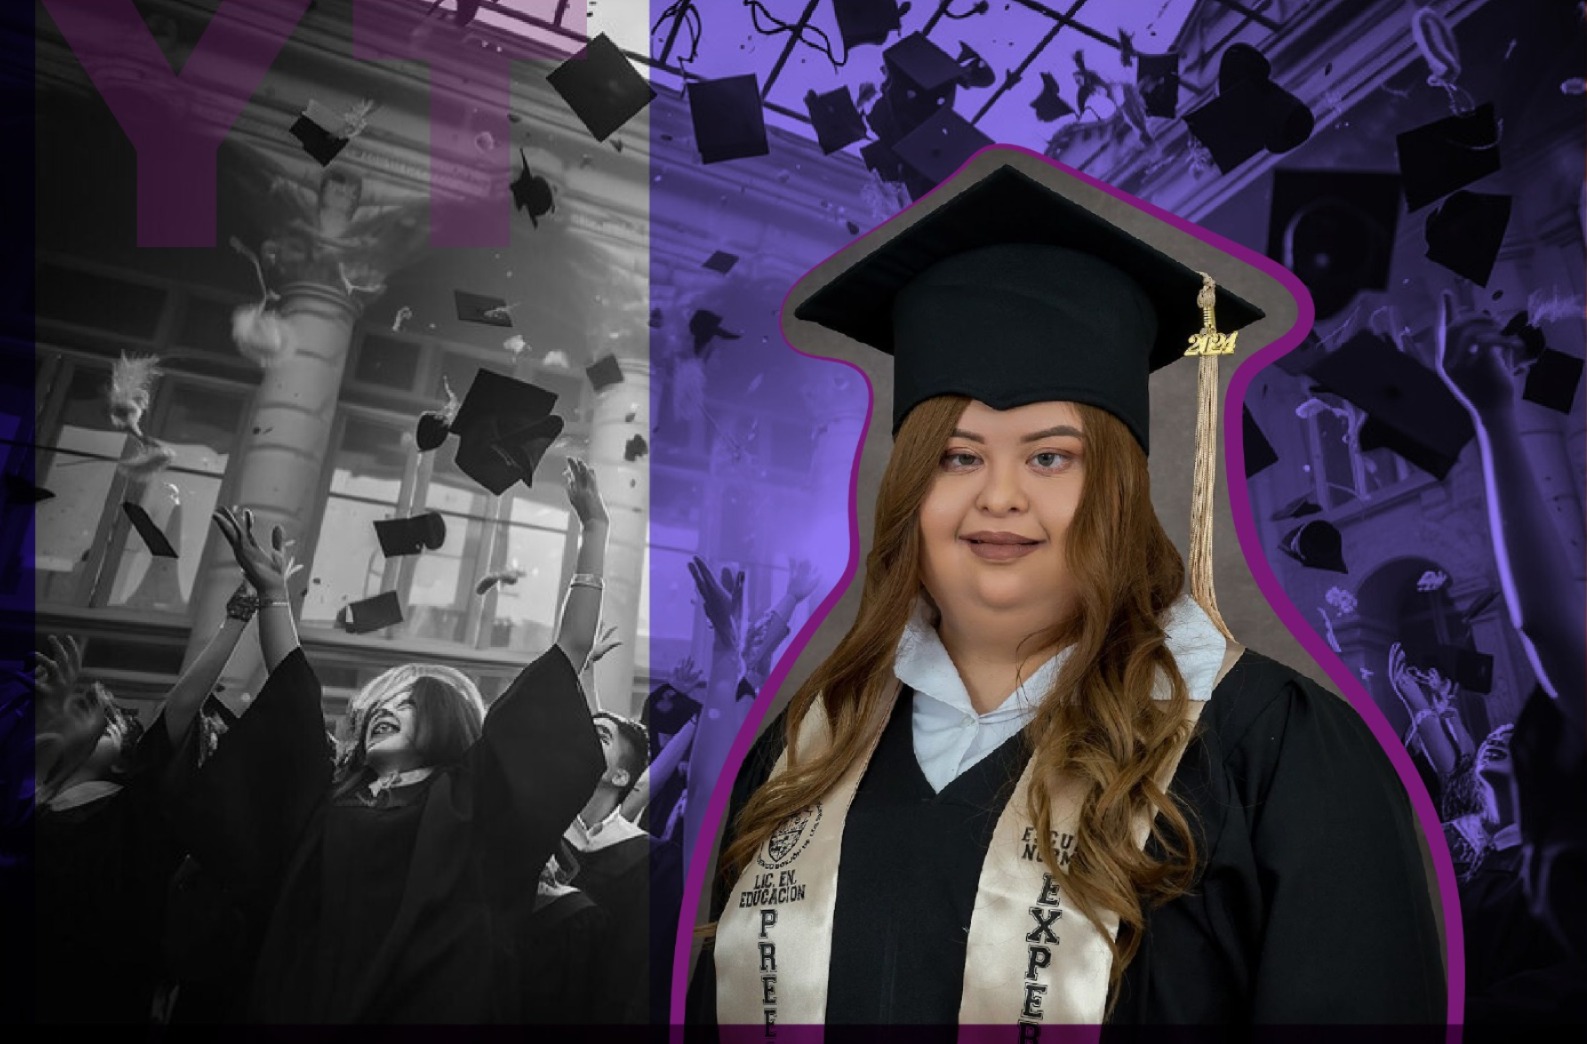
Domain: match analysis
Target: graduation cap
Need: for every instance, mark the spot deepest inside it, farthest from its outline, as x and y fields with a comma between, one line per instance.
x=1552, y=380
x=1157, y=77
x=706, y=326
x=976, y=73
x=466, y=10
x=862, y=22
x=481, y=308
x=1335, y=230
x=937, y=148
x=1316, y=545
x=19, y=490
x=1465, y=232
x=881, y=160
x=602, y=88
x=636, y=447
x=504, y=428
x=371, y=614
x=728, y=120
x=721, y=262
x=1250, y=113
x=1049, y=104
x=968, y=295
x=318, y=130
x=837, y=122
x=1259, y=453
x=532, y=192
x=1468, y=668
x=1448, y=154
x=432, y=431
x=153, y=536
x=605, y=373
x=1409, y=409
x=410, y=536
x=921, y=78
x=1300, y=507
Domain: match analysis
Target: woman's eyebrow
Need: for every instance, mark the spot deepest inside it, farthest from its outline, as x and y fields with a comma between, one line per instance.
x=1035, y=436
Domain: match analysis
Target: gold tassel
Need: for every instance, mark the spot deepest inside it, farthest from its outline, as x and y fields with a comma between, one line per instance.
x=1207, y=346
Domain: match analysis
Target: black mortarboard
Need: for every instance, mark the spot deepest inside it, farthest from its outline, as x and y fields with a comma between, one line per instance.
x=504, y=427
x=19, y=490
x=921, y=78
x=481, y=308
x=602, y=88
x=728, y=120
x=432, y=431
x=1300, y=507
x=635, y=448
x=880, y=159
x=1448, y=154
x=667, y=711
x=938, y=147
x=837, y=122
x=1316, y=545
x=410, y=536
x=532, y=192
x=1250, y=113
x=1410, y=410
x=1259, y=453
x=863, y=22
x=371, y=614
x=1465, y=232
x=1552, y=380
x=1050, y=104
x=1335, y=230
x=1157, y=76
x=721, y=262
x=1013, y=292
x=974, y=71
x=154, y=537
x=317, y=131
x=1470, y=669
x=706, y=326
x=605, y=373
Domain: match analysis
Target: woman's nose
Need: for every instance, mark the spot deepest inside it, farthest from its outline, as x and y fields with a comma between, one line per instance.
x=1003, y=491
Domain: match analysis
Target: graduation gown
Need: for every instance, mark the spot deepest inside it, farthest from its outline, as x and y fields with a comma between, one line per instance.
x=563, y=942
x=103, y=868
x=617, y=879
x=398, y=910
x=1310, y=903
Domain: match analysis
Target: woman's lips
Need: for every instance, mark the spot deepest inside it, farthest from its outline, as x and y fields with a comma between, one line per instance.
x=1000, y=548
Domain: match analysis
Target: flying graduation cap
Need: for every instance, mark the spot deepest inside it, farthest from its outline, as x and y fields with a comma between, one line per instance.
x=729, y=122
x=411, y=536
x=602, y=87
x=532, y=192
x=153, y=536
x=371, y=614
x=319, y=131
x=504, y=428
x=1250, y=113
x=1023, y=282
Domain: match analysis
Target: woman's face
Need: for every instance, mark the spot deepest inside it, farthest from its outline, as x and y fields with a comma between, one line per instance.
x=391, y=736
x=994, y=521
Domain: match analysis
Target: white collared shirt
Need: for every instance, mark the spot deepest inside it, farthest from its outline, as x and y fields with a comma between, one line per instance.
x=615, y=828
x=951, y=737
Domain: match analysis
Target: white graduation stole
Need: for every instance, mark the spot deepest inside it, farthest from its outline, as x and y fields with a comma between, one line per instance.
x=1032, y=960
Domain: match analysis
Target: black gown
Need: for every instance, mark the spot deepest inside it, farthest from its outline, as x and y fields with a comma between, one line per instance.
x=563, y=942
x=400, y=909
x=617, y=879
x=1311, y=904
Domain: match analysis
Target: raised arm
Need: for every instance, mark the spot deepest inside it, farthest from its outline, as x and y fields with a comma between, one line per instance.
x=581, y=613
x=1427, y=723
x=268, y=570
x=1546, y=605
x=607, y=643
x=721, y=714
x=186, y=698
x=659, y=771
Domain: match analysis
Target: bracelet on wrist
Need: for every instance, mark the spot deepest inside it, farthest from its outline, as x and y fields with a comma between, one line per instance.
x=242, y=606
x=591, y=580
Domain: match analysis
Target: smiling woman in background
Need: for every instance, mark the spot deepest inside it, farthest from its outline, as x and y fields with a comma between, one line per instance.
x=1037, y=782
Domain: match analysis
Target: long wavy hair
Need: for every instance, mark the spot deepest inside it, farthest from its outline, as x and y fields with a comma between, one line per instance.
x=449, y=717
x=1100, y=724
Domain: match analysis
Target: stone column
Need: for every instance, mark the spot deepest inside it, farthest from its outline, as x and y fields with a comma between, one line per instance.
x=278, y=469
x=622, y=411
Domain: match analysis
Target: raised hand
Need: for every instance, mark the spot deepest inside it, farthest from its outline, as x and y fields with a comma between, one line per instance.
x=1477, y=359
x=686, y=677
x=584, y=493
x=1418, y=690
x=802, y=579
x=605, y=644
x=267, y=569
x=722, y=601
x=55, y=676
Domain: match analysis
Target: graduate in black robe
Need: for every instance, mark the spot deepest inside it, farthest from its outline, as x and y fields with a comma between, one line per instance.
x=563, y=945
x=1025, y=309
x=1298, y=858
x=394, y=897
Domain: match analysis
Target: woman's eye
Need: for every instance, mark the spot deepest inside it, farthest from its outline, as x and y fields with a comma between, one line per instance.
x=957, y=461
x=1050, y=460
